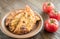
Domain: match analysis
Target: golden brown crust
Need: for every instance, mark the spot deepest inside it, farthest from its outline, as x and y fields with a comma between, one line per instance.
x=22, y=21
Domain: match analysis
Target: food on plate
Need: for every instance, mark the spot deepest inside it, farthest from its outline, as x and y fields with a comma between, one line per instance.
x=47, y=7
x=51, y=25
x=54, y=14
x=22, y=21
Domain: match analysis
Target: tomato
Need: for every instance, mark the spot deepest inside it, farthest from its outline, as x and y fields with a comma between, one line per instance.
x=51, y=25
x=54, y=14
x=48, y=6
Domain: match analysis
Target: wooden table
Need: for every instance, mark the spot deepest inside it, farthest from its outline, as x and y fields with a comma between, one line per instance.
x=36, y=5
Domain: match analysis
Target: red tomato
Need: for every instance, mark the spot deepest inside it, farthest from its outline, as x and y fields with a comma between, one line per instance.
x=51, y=25
x=54, y=14
x=48, y=6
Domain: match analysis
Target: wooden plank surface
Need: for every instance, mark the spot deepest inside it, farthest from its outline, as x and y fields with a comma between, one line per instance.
x=36, y=5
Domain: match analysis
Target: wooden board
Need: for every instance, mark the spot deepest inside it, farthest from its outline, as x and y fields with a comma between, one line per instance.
x=36, y=5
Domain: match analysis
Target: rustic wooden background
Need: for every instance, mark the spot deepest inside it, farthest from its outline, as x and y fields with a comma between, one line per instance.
x=36, y=5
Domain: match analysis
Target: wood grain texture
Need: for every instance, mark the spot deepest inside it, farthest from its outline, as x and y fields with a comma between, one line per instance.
x=36, y=5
